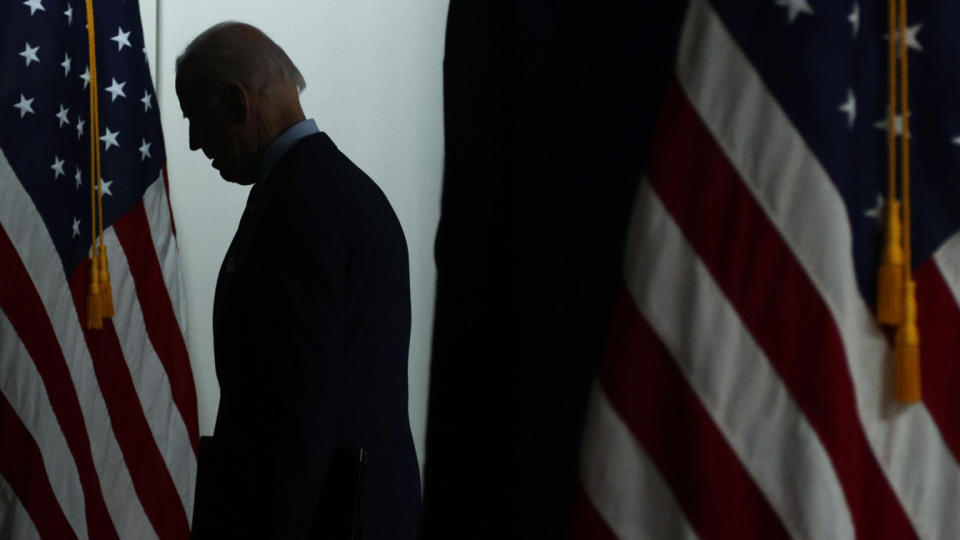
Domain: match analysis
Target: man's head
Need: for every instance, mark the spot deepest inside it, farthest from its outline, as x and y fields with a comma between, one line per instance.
x=239, y=91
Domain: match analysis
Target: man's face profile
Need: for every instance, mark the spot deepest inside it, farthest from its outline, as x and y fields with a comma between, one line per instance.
x=217, y=129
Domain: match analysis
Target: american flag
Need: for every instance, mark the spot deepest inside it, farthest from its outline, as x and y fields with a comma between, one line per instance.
x=98, y=428
x=746, y=390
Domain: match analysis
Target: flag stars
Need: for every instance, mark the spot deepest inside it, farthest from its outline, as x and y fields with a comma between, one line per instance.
x=849, y=107
x=62, y=116
x=146, y=101
x=911, y=35
x=34, y=5
x=69, y=14
x=29, y=54
x=66, y=64
x=854, y=18
x=795, y=8
x=76, y=227
x=86, y=77
x=912, y=42
x=897, y=124
x=106, y=187
x=57, y=167
x=25, y=106
x=122, y=38
x=80, y=123
x=110, y=139
x=144, y=150
x=78, y=177
x=875, y=212
x=116, y=89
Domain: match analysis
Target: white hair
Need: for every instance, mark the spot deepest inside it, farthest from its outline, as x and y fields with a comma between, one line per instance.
x=235, y=51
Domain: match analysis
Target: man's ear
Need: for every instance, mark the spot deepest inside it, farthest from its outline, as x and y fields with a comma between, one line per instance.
x=236, y=102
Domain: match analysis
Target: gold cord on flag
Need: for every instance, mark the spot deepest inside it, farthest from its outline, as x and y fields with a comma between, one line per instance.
x=890, y=277
x=99, y=293
x=896, y=294
x=907, y=351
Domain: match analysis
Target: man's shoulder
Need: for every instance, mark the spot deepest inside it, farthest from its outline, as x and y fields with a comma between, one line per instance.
x=312, y=148
x=313, y=152
x=317, y=177
x=316, y=164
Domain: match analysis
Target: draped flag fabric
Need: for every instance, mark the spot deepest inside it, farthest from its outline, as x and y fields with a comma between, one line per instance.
x=98, y=428
x=746, y=389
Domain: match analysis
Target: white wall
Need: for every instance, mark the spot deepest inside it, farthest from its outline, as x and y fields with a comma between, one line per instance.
x=373, y=72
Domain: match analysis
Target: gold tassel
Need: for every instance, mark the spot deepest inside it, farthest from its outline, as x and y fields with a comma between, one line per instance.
x=94, y=314
x=891, y=274
x=907, y=353
x=106, y=291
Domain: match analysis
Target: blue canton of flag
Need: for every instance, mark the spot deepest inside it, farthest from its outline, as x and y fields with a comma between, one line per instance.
x=44, y=83
x=98, y=428
x=826, y=63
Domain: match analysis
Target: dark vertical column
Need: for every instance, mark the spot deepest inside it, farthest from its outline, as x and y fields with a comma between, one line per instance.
x=549, y=109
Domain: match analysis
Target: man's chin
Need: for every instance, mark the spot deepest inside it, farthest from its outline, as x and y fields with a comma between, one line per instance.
x=234, y=177
x=240, y=181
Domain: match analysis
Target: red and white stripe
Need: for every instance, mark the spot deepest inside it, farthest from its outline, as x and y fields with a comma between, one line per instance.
x=100, y=431
x=150, y=379
x=623, y=482
x=14, y=516
x=740, y=331
x=156, y=204
x=18, y=384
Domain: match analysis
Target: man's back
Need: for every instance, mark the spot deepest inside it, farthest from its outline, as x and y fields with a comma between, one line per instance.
x=311, y=332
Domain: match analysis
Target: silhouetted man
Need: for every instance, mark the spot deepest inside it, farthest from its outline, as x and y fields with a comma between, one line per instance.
x=311, y=315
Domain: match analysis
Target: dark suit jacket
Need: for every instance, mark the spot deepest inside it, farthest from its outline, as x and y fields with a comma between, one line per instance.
x=311, y=334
